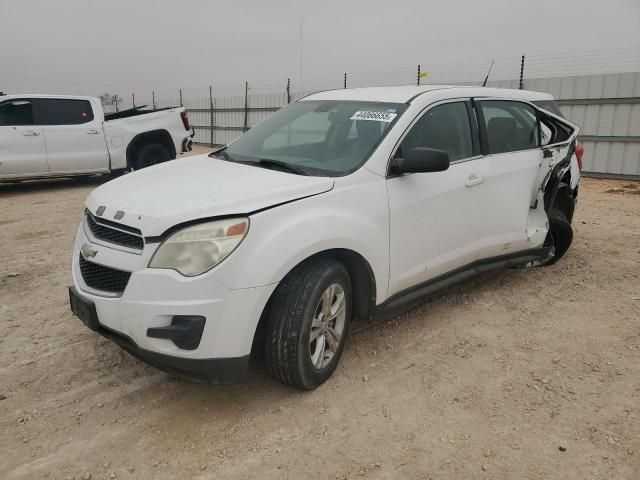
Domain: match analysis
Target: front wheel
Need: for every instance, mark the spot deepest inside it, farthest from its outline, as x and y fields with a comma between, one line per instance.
x=308, y=323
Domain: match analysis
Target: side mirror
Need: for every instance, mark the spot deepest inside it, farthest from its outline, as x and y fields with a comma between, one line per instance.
x=422, y=159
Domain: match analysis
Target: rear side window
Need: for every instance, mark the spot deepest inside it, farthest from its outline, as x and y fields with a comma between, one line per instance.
x=509, y=126
x=16, y=112
x=549, y=106
x=59, y=111
x=444, y=127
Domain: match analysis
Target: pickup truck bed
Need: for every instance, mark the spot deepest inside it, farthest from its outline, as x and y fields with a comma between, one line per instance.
x=132, y=112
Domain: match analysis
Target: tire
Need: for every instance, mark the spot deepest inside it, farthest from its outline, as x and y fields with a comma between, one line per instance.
x=559, y=237
x=150, y=154
x=299, y=310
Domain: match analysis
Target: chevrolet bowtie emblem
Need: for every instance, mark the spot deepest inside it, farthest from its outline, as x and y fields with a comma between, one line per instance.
x=87, y=251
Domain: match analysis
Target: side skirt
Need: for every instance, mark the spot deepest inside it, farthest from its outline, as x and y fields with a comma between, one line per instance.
x=418, y=292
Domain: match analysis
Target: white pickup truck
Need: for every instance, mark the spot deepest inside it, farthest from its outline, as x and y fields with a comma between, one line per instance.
x=44, y=136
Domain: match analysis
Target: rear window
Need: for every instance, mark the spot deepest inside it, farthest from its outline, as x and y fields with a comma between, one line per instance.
x=58, y=111
x=549, y=106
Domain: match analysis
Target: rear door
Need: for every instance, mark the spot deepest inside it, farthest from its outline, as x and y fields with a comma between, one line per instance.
x=436, y=218
x=510, y=135
x=22, y=150
x=74, y=137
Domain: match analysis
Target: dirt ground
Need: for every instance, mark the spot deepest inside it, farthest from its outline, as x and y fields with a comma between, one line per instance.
x=522, y=374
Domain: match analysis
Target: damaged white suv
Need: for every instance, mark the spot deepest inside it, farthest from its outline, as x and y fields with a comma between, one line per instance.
x=342, y=204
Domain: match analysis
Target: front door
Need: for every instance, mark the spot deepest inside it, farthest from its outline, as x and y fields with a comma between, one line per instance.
x=22, y=150
x=436, y=219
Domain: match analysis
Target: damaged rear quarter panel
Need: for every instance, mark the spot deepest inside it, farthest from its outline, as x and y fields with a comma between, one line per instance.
x=556, y=162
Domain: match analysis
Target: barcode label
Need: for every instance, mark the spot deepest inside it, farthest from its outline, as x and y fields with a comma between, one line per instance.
x=375, y=116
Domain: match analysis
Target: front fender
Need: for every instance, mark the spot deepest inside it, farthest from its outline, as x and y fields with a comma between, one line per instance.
x=282, y=237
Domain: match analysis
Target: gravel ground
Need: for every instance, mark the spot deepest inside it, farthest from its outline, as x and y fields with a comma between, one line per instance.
x=520, y=374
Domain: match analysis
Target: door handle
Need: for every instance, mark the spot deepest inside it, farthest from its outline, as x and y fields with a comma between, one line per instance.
x=92, y=132
x=474, y=180
x=30, y=133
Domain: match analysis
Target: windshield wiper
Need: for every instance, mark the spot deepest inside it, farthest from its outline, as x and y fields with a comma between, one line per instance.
x=263, y=162
x=268, y=163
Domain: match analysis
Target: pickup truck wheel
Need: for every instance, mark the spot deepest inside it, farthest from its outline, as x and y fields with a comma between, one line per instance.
x=559, y=237
x=151, y=154
x=308, y=323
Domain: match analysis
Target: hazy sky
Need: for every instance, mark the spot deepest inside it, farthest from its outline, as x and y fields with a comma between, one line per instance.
x=89, y=46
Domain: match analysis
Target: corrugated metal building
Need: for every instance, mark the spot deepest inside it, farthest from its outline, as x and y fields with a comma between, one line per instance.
x=607, y=108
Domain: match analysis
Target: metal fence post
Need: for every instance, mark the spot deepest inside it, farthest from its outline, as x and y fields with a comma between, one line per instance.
x=211, y=115
x=418, y=82
x=153, y=98
x=522, y=73
x=288, y=90
x=345, y=79
x=246, y=105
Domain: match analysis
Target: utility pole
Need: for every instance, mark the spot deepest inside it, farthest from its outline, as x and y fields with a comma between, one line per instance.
x=288, y=90
x=153, y=98
x=133, y=100
x=181, y=98
x=418, y=82
x=522, y=73
x=345, y=79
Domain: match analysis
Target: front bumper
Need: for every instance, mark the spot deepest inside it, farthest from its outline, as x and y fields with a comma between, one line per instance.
x=207, y=370
x=154, y=298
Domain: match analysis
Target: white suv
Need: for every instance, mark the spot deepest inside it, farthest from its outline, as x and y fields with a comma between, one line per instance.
x=342, y=204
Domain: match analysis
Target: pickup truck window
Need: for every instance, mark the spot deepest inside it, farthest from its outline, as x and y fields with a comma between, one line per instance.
x=16, y=112
x=58, y=111
x=324, y=138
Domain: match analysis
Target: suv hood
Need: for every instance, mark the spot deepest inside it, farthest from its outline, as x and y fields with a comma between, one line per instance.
x=157, y=198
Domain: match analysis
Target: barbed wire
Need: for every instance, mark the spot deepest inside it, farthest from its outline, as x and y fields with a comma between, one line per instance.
x=469, y=70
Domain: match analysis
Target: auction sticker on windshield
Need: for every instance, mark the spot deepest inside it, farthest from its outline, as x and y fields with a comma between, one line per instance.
x=375, y=116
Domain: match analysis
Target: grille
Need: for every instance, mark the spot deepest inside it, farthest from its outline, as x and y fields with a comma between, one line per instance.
x=103, y=278
x=111, y=235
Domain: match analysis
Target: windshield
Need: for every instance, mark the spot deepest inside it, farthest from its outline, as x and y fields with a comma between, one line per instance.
x=325, y=138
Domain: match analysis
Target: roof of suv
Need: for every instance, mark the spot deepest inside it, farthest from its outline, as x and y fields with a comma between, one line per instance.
x=403, y=94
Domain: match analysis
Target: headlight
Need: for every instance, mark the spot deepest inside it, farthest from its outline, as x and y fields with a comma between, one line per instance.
x=195, y=250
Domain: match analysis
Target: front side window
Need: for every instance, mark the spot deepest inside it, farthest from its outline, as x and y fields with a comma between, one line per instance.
x=316, y=137
x=444, y=127
x=509, y=126
x=62, y=111
x=15, y=113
